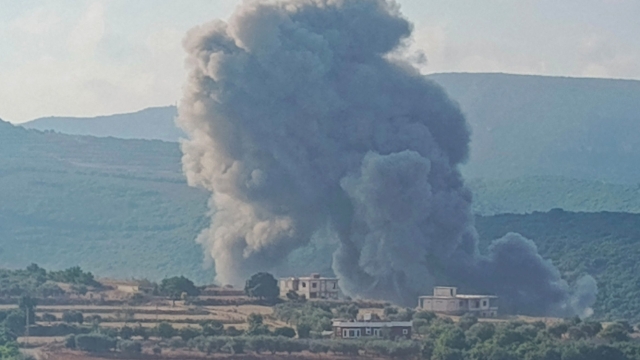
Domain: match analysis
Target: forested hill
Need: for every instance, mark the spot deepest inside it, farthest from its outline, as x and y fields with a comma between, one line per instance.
x=116, y=207
x=605, y=245
x=151, y=123
x=121, y=208
x=538, y=125
x=522, y=125
x=543, y=193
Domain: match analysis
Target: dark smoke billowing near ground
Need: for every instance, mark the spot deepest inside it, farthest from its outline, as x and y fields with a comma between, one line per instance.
x=300, y=123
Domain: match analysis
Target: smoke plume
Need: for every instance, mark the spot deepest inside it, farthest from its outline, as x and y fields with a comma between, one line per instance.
x=299, y=120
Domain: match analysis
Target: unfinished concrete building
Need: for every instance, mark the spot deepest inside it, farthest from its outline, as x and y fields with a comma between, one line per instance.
x=311, y=287
x=446, y=300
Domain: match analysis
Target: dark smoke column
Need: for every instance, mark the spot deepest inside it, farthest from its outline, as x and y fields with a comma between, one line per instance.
x=299, y=122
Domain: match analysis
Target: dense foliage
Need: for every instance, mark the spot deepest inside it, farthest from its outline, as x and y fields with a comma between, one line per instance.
x=442, y=339
x=36, y=281
x=117, y=208
x=67, y=201
x=176, y=286
x=262, y=285
x=539, y=193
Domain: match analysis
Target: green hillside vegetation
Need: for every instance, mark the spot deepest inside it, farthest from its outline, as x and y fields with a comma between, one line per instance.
x=121, y=208
x=526, y=195
x=118, y=208
x=605, y=245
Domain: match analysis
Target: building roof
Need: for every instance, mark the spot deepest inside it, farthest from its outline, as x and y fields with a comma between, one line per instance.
x=459, y=297
x=308, y=278
x=374, y=324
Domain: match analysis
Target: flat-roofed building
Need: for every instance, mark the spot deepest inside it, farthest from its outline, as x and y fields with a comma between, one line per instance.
x=446, y=300
x=376, y=329
x=311, y=287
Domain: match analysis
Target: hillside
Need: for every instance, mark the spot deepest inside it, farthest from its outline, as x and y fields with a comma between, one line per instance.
x=152, y=123
x=522, y=125
x=121, y=208
x=605, y=245
x=539, y=193
x=116, y=207
x=549, y=126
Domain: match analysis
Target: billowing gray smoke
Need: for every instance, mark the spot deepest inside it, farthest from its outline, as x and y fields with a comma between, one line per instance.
x=300, y=122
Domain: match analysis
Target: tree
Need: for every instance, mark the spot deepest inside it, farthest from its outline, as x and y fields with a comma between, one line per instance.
x=293, y=296
x=189, y=333
x=95, y=342
x=263, y=286
x=15, y=322
x=256, y=325
x=286, y=331
x=165, y=330
x=37, y=271
x=130, y=347
x=348, y=312
x=467, y=321
x=615, y=332
x=50, y=289
x=482, y=331
x=28, y=306
x=48, y=317
x=303, y=330
x=212, y=328
x=72, y=317
x=175, y=286
x=126, y=332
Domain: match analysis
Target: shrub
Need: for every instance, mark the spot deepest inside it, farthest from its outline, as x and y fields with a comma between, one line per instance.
x=234, y=346
x=130, y=347
x=290, y=345
x=615, y=332
x=70, y=341
x=303, y=330
x=177, y=343
x=285, y=331
x=189, y=333
x=344, y=347
x=165, y=330
x=467, y=321
x=425, y=315
x=95, y=342
x=60, y=329
x=232, y=331
x=212, y=328
x=126, y=332
x=141, y=331
x=157, y=350
x=72, y=317
x=318, y=347
x=94, y=319
x=47, y=317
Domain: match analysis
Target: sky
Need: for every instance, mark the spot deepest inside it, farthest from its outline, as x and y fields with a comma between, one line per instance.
x=99, y=57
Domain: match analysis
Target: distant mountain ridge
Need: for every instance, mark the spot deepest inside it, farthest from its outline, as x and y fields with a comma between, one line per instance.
x=526, y=125
x=522, y=125
x=156, y=123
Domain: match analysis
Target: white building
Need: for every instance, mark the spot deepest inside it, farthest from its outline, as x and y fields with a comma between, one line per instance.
x=446, y=300
x=311, y=287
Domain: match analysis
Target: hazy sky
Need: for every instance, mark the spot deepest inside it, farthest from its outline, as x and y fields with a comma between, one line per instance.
x=87, y=58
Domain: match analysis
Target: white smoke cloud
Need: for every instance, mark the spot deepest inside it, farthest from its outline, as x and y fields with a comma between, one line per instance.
x=300, y=116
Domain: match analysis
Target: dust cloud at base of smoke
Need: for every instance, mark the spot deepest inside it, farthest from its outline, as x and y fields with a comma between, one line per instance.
x=299, y=120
